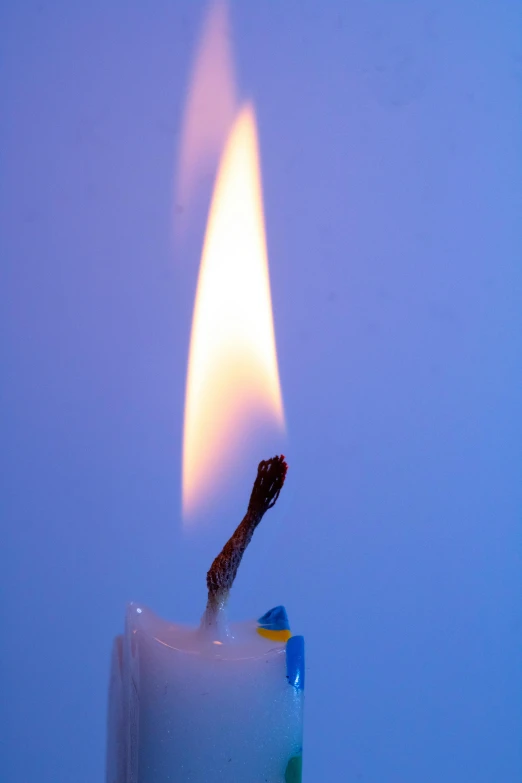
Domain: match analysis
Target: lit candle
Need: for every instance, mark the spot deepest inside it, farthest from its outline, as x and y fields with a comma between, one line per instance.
x=218, y=702
x=215, y=703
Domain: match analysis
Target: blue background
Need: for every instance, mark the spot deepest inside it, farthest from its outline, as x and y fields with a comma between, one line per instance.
x=392, y=167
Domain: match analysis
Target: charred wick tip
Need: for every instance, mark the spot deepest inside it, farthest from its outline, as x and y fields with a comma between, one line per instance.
x=269, y=481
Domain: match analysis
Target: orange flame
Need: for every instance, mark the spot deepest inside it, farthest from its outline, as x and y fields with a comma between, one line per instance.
x=233, y=375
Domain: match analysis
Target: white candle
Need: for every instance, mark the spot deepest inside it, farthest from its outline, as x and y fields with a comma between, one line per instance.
x=211, y=704
x=186, y=709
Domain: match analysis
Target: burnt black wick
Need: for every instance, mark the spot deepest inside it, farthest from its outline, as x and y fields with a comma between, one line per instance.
x=269, y=481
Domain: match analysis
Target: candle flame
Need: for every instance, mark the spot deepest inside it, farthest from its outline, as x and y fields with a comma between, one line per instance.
x=233, y=377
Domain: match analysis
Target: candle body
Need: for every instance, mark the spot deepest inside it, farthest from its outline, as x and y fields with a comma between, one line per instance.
x=184, y=706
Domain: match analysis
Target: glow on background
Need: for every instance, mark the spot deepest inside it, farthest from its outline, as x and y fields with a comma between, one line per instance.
x=392, y=179
x=211, y=105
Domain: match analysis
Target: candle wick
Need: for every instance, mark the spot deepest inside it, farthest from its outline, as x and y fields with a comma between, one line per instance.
x=269, y=481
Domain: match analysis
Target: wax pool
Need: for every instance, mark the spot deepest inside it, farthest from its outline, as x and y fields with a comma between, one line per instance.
x=187, y=706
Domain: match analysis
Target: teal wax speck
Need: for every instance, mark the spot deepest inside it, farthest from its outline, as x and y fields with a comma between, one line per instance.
x=294, y=770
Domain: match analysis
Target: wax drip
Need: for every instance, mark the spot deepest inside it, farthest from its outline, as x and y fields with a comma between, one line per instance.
x=270, y=478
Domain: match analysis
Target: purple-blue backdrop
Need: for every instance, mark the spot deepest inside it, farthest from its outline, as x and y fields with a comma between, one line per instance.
x=390, y=138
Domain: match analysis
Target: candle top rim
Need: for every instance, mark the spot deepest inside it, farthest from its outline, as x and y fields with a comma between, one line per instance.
x=241, y=641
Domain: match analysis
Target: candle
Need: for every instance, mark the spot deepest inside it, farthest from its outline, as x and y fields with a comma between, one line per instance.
x=218, y=702
x=214, y=703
